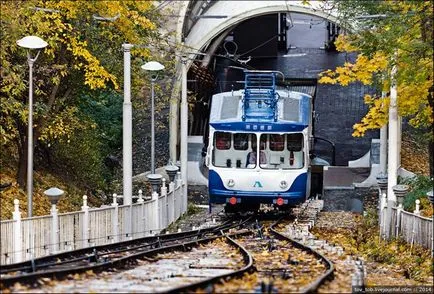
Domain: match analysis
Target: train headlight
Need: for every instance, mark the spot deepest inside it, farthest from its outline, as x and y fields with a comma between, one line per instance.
x=231, y=183
x=283, y=184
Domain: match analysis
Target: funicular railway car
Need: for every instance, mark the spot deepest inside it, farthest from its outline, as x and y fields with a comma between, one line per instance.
x=261, y=119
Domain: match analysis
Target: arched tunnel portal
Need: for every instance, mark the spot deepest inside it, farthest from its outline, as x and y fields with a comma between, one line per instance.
x=269, y=35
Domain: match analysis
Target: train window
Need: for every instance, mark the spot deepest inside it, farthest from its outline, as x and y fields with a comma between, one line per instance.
x=263, y=142
x=295, y=142
x=222, y=140
x=277, y=142
x=240, y=141
x=253, y=141
x=251, y=155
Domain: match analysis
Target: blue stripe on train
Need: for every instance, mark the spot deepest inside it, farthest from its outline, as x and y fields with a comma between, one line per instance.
x=259, y=126
x=218, y=193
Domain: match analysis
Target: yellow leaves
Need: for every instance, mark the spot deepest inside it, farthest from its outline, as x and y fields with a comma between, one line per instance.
x=265, y=253
x=62, y=126
x=79, y=51
x=406, y=33
x=96, y=76
x=413, y=101
x=376, y=117
x=368, y=99
x=380, y=60
x=69, y=8
x=362, y=70
x=343, y=44
x=325, y=79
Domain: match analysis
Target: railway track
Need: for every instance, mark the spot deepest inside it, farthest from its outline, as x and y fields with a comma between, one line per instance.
x=99, y=258
x=247, y=254
x=280, y=264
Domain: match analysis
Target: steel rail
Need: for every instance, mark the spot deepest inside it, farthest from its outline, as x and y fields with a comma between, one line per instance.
x=312, y=287
x=328, y=275
x=248, y=260
x=121, y=262
x=85, y=253
x=100, y=265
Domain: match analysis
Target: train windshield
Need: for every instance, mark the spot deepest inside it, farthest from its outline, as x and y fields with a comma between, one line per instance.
x=240, y=150
x=232, y=149
x=283, y=151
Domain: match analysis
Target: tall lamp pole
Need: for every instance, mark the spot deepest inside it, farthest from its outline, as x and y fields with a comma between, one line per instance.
x=154, y=67
x=394, y=144
x=184, y=128
x=127, y=148
x=30, y=42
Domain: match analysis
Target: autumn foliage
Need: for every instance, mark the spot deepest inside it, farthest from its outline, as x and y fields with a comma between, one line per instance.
x=401, y=36
x=83, y=55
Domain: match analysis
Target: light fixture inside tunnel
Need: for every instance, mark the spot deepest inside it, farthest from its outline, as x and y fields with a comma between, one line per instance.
x=210, y=16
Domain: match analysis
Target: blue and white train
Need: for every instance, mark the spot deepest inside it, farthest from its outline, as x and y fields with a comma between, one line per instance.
x=261, y=119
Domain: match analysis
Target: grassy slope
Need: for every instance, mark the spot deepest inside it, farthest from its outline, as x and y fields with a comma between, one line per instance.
x=70, y=201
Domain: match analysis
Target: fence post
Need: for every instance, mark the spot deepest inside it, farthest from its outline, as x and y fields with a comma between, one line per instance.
x=383, y=207
x=164, y=209
x=141, y=216
x=140, y=200
x=382, y=186
x=400, y=191
x=18, y=240
x=85, y=233
x=417, y=210
x=172, y=204
x=155, y=181
x=179, y=201
x=171, y=171
x=115, y=219
x=398, y=220
x=156, y=214
x=54, y=229
x=430, y=196
x=54, y=195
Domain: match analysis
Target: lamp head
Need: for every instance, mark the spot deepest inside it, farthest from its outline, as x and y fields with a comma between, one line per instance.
x=32, y=42
x=153, y=66
x=54, y=194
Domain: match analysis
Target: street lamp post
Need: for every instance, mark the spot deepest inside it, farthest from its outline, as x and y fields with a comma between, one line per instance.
x=394, y=144
x=30, y=42
x=154, y=67
x=184, y=133
x=54, y=195
x=127, y=145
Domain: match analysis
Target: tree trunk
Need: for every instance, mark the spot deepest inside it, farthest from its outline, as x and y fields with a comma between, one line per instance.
x=431, y=135
x=21, y=141
x=431, y=159
x=22, y=164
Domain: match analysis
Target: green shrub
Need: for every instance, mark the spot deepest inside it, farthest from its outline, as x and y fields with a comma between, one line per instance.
x=419, y=186
x=83, y=158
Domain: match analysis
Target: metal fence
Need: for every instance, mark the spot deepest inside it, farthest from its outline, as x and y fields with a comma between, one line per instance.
x=411, y=227
x=23, y=239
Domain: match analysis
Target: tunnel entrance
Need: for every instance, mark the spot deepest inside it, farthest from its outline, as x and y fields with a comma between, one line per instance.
x=298, y=45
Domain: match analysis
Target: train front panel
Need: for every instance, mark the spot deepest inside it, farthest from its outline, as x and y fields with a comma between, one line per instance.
x=237, y=172
x=259, y=187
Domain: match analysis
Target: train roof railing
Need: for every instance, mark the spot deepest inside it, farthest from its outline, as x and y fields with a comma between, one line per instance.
x=260, y=96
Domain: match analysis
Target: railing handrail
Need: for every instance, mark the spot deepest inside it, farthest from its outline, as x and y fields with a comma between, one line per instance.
x=38, y=236
x=97, y=209
x=413, y=214
x=70, y=213
x=7, y=221
x=36, y=217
